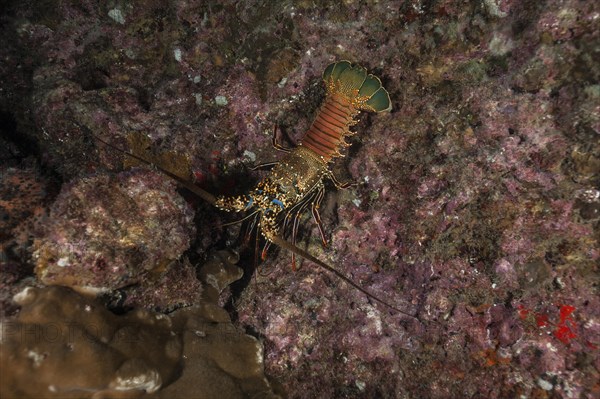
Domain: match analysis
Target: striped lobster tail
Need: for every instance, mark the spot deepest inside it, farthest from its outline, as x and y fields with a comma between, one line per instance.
x=349, y=90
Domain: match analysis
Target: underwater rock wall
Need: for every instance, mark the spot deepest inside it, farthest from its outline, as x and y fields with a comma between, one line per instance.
x=104, y=233
x=24, y=196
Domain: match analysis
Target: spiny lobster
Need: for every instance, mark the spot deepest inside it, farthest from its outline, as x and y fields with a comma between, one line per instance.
x=296, y=181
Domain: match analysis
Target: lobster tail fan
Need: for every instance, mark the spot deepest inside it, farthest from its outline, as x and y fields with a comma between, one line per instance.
x=362, y=90
x=369, y=86
x=380, y=101
x=378, y=97
x=351, y=79
x=334, y=70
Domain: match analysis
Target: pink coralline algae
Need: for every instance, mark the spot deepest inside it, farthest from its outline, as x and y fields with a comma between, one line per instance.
x=24, y=196
x=105, y=233
x=475, y=207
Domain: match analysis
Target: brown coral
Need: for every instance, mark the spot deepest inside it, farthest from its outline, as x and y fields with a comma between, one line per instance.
x=64, y=345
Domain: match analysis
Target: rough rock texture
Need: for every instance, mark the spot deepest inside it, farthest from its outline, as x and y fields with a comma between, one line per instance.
x=24, y=198
x=105, y=233
x=477, y=196
x=64, y=345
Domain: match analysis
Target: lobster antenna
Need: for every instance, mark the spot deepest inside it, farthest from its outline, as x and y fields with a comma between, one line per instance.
x=300, y=252
x=277, y=240
x=239, y=220
x=205, y=195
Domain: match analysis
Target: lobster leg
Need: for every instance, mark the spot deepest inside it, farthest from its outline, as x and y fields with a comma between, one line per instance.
x=263, y=255
x=317, y=217
x=341, y=185
x=264, y=165
x=294, y=235
x=276, y=144
x=249, y=228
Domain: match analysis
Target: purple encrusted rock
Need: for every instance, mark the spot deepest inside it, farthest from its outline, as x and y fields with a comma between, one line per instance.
x=106, y=232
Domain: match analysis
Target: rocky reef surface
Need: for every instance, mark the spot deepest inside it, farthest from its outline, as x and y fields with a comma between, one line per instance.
x=65, y=345
x=105, y=233
x=476, y=208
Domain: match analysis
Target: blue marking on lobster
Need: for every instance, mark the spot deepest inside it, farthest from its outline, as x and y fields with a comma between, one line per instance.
x=249, y=204
x=277, y=202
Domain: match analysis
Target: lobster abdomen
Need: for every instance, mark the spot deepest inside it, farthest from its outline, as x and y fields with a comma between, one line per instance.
x=349, y=90
x=326, y=135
